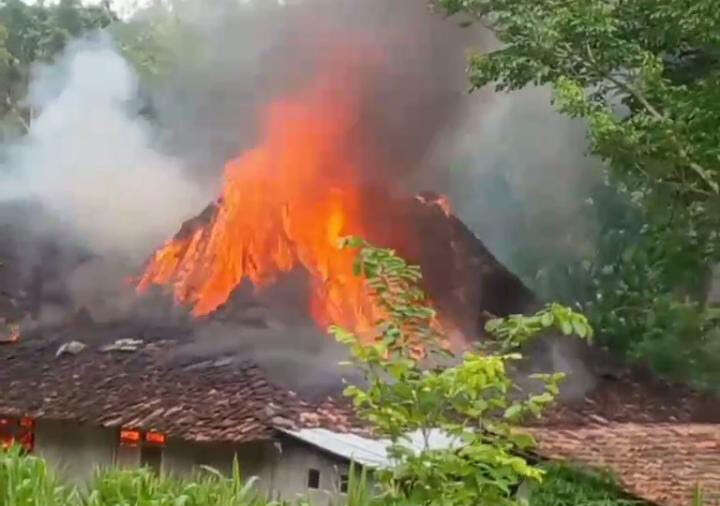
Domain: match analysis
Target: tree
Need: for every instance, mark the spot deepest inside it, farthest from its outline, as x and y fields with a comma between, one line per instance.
x=416, y=385
x=152, y=40
x=644, y=76
x=36, y=34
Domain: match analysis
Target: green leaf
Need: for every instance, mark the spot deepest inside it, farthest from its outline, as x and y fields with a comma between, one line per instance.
x=546, y=319
x=566, y=327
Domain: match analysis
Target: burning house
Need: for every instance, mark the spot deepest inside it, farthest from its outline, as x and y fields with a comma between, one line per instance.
x=86, y=394
x=171, y=395
x=215, y=348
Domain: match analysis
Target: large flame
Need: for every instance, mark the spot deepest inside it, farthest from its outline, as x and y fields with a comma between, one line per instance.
x=285, y=204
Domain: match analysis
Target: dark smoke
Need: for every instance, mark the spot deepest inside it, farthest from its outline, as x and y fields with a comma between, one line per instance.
x=504, y=161
x=407, y=64
x=515, y=170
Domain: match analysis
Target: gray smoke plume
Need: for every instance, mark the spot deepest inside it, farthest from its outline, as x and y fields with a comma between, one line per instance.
x=520, y=178
x=230, y=59
x=89, y=157
x=515, y=169
x=120, y=185
x=92, y=164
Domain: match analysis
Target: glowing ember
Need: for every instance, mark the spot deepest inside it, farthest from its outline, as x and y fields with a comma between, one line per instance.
x=435, y=199
x=285, y=204
x=10, y=334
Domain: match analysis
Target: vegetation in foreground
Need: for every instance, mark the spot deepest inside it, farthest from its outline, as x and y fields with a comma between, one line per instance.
x=415, y=384
x=25, y=480
x=567, y=486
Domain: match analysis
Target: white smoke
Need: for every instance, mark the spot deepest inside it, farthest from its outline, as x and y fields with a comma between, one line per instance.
x=89, y=156
x=521, y=177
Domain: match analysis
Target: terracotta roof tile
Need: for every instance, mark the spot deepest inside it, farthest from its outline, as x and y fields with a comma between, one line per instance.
x=662, y=463
x=645, y=431
x=231, y=403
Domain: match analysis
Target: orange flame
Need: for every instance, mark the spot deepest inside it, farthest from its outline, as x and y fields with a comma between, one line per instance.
x=285, y=204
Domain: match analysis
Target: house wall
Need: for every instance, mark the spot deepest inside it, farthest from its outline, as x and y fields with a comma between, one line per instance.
x=183, y=458
x=291, y=467
x=74, y=450
x=281, y=467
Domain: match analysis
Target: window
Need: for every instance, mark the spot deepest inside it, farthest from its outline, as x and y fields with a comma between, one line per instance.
x=17, y=431
x=313, y=478
x=344, y=482
x=151, y=457
x=140, y=448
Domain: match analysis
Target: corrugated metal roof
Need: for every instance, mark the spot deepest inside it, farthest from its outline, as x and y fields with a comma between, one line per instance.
x=365, y=451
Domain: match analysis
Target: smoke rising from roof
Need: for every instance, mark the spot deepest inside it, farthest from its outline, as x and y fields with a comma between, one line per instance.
x=231, y=59
x=508, y=162
x=120, y=185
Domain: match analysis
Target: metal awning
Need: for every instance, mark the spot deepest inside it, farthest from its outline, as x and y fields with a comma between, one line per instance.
x=366, y=451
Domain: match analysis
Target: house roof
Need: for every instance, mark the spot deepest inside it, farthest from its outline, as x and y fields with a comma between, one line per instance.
x=365, y=450
x=662, y=463
x=659, y=439
x=218, y=401
x=633, y=395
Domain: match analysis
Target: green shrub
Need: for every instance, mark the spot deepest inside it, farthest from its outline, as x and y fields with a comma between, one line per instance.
x=564, y=485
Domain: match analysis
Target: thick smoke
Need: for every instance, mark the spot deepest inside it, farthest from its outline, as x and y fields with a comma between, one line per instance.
x=519, y=177
x=91, y=162
x=232, y=58
x=514, y=169
x=89, y=157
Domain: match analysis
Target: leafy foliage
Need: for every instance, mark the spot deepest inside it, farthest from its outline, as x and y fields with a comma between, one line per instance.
x=644, y=76
x=142, y=487
x=35, y=34
x=567, y=486
x=26, y=481
x=415, y=384
x=152, y=41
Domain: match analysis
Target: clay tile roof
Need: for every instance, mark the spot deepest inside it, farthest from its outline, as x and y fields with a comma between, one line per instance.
x=659, y=439
x=662, y=463
x=229, y=403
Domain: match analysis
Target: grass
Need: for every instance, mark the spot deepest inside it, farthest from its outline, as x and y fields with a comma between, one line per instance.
x=25, y=480
x=141, y=487
x=564, y=485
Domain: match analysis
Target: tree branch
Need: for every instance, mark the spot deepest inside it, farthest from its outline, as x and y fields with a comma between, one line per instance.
x=655, y=113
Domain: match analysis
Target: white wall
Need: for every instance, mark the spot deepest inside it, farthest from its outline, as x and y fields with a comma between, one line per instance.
x=75, y=450
x=290, y=472
x=281, y=467
x=182, y=458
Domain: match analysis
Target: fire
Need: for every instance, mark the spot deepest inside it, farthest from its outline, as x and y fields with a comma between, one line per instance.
x=10, y=334
x=285, y=204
